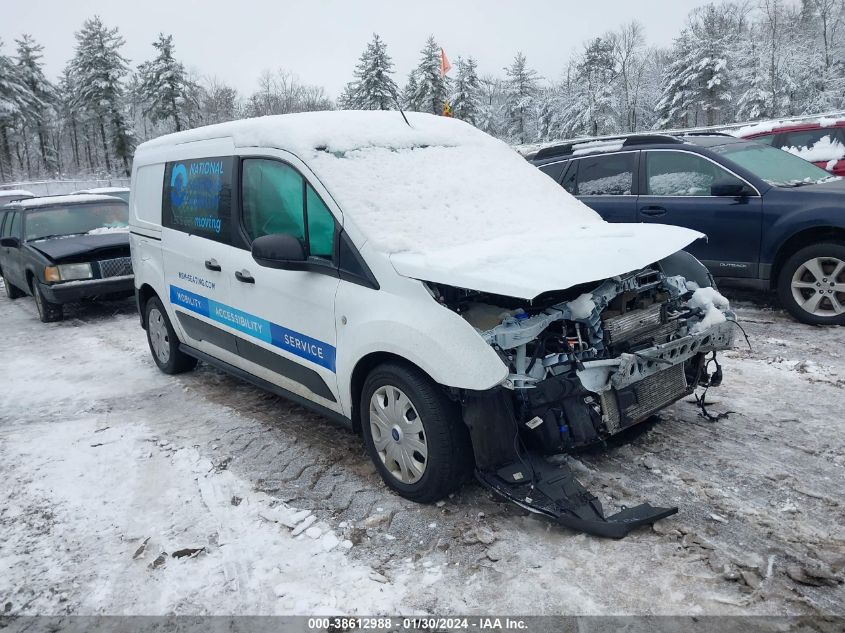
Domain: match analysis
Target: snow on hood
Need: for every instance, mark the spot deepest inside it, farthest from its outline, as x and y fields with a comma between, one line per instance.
x=547, y=261
x=447, y=202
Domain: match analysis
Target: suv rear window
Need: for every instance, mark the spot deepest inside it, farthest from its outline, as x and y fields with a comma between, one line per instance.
x=611, y=175
x=197, y=197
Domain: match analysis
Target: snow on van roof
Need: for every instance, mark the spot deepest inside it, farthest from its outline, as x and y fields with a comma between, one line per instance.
x=105, y=190
x=440, y=194
x=15, y=192
x=33, y=203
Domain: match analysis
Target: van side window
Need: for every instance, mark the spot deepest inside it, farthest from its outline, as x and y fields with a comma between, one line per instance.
x=320, y=226
x=14, y=229
x=197, y=197
x=277, y=199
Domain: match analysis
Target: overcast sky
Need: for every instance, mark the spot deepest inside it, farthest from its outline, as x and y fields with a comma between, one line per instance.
x=320, y=40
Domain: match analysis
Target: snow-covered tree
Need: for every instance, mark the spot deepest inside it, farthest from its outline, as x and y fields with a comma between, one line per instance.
x=98, y=69
x=165, y=86
x=592, y=108
x=13, y=99
x=432, y=88
x=39, y=96
x=697, y=84
x=373, y=87
x=466, y=94
x=521, y=88
x=409, y=93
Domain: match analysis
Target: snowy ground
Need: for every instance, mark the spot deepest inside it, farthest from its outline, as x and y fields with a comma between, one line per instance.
x=128, y=491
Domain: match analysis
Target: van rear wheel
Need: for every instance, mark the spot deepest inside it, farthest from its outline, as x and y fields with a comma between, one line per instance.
x=414, y=433
x=163, y=342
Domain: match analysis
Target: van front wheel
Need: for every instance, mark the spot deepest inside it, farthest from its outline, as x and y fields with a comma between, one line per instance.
x=413, y=433
x=163, y=342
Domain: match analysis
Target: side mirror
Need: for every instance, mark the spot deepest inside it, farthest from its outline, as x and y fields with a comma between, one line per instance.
x=728, y=189
x=10, y=242
x=279, y=251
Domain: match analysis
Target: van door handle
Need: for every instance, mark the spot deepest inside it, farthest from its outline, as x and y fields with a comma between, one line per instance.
x=212, y=264
x=653, y=211
x=244, y=276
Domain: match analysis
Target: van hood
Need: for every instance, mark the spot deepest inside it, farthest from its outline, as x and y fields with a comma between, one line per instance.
x=61, y=247
x=546, y=261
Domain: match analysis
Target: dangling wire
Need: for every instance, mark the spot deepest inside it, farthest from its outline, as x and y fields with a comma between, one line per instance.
x=701, y=402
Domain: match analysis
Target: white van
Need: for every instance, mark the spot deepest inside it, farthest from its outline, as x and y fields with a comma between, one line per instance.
x=423, y=284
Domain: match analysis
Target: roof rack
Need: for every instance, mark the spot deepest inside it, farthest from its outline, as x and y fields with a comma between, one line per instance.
x=628, y=140
x=705, y=133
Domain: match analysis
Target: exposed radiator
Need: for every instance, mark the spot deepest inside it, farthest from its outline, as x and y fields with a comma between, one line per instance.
x=117, y=267
x=633, y=324
x=652, y=394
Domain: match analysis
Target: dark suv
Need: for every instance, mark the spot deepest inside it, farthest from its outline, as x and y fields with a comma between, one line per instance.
x=773, y=220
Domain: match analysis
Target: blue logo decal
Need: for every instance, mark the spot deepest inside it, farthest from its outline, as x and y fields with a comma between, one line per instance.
x=178, y=185
x=310, y=349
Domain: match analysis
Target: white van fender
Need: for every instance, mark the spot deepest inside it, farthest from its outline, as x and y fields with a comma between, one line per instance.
x=428, y=335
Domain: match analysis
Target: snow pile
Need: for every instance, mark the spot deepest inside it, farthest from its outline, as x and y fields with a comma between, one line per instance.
x=582, y=307
x=826, y=148
x=108, y=229
x=69, y=199
x=713, y=304
x=611, y=145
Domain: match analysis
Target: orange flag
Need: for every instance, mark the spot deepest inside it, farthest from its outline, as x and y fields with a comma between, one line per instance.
x=445, y=66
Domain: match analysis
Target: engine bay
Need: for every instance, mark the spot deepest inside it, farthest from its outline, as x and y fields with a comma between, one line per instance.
x=584, y=364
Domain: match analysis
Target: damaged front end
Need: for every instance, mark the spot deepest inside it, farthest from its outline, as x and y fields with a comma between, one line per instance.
x=585, y=364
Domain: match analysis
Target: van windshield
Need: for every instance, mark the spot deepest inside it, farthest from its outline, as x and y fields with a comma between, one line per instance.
x=78, y=219
x=776, y=167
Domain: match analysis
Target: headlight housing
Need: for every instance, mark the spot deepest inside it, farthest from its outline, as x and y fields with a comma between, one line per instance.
x=68, y=272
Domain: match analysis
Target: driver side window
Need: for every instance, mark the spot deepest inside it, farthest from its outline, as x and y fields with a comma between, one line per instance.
x=272, y=199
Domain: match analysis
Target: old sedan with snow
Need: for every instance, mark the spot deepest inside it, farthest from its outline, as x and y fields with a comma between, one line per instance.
x=63, y=249
x=422, y=284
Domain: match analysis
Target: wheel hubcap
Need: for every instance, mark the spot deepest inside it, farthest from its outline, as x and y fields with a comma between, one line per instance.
x=398, y=434
x=818, y=286
x=159, y=339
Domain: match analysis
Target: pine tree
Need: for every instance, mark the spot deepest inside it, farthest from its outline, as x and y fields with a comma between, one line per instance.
x=697, y=86
x=98, y=69
x=521, y=88
x=13, y=100
x=466, y=97
x=410, y=92
x=592, y=109
x=432, y=87
x=39, y=94
x=165, y=86
x=373, y=87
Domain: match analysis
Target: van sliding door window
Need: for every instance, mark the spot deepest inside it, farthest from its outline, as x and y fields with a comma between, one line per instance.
x=276, y=199
x=197, y=197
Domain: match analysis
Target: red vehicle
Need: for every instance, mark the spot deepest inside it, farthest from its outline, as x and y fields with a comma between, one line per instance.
x=821, y=142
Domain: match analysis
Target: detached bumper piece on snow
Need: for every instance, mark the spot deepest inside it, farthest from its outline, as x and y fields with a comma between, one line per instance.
x=552, y=490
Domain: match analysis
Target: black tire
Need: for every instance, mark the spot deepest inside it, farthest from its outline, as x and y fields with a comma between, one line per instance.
x=448, y=461
x=48, y=312
x=164, y=345
x=13, y=292
x=825, y=295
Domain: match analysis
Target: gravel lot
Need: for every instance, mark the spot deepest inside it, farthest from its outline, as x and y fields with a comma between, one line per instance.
x=110, y=469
